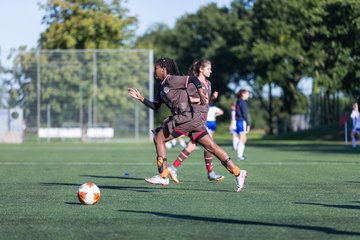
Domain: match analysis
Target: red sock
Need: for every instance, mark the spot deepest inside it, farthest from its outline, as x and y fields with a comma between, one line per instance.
x=208, y=161
x=182, y=157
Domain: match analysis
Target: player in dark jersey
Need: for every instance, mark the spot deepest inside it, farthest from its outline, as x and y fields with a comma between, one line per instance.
x=202, y=70
x=184, y=120
x=242, y=122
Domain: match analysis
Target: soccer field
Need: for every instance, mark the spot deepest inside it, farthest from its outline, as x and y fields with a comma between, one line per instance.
x=295, y=190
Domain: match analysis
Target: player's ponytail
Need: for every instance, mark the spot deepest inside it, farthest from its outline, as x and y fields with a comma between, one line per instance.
x=197, y=65
x=175, y=69
x=169, y=64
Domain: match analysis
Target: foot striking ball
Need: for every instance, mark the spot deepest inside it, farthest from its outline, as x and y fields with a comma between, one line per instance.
x=89, y=193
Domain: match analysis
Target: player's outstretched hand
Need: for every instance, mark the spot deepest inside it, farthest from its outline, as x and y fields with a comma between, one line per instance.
x=133, y=92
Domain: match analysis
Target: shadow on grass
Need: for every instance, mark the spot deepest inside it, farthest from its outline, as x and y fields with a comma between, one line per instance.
x=150, y=188
x=352, y=181
x=327, y=230
x=114, y=177
x=73, y=203
x=353, y=207
x=137, y=189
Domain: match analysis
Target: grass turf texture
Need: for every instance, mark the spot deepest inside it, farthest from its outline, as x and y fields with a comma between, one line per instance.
x=295, y=190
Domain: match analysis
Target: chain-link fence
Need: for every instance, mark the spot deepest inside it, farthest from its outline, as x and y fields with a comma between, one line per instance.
x=79, y=94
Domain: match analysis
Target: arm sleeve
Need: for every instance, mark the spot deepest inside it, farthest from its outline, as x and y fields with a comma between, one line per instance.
x=153, y=105
x=237, y=110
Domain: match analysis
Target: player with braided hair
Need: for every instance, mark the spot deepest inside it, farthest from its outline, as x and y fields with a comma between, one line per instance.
x=184, y=120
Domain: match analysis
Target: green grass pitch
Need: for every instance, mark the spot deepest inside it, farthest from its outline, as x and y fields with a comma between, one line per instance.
x=295, y=190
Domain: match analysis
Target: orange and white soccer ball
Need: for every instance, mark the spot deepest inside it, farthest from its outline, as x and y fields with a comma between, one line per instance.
x=89, y=193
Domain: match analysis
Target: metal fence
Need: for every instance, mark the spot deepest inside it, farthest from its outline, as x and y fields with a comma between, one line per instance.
x=79, y=94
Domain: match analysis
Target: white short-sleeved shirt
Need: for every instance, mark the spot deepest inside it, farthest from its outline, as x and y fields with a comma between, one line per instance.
x=355, y=115
x=212, y=113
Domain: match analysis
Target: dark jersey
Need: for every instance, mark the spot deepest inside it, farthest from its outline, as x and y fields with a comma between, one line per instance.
x=241, y=111
x=184, y=121
x=194, y=93
x=172, y=91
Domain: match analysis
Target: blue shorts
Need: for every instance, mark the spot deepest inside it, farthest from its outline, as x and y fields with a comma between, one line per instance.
x=357, y=130
x=211, y=126
x=233, y=131
x=241, y=127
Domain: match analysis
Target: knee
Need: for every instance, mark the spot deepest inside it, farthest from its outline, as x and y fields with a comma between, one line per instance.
x=190, y=147
x=210, y=147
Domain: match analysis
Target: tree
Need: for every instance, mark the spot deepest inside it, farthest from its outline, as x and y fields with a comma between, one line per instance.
x=212, y=33
x=340, y=41
x=270, y=45
x=282, y=53
x=217, y=34
x=86, y=24
x=78, y=83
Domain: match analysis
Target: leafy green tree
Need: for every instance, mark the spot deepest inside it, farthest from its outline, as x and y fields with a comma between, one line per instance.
x=86, y=24
x=282, y=53
x=212, y=33
x=78, y=83
x=269, y=45
x=160, y=39
x=339, y=66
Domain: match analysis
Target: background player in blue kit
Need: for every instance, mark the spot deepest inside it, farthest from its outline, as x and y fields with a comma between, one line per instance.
x=355, y=131
x=242, y=122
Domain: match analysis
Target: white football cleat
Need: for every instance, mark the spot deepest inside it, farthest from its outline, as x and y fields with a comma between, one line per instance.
x=240, y=180
x=173, y=174
x=213, y=176
x=242, y=158
x=157, y=180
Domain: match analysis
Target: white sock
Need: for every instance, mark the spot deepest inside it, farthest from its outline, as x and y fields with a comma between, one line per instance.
x=235, y=143
x=173, y=142
x=240, y=149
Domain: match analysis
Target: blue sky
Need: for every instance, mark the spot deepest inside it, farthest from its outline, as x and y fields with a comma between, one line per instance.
x=20, y=20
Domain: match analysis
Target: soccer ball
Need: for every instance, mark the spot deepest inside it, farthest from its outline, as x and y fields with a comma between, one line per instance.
x=89, y=193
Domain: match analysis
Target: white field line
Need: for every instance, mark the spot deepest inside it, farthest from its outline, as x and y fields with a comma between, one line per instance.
x=77, y=148
x=188, y=163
